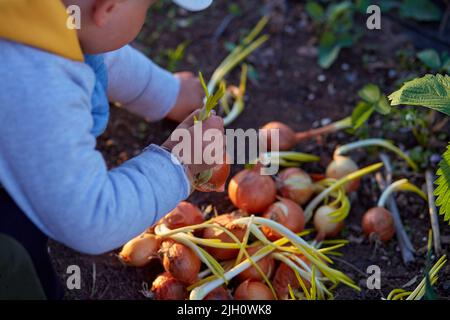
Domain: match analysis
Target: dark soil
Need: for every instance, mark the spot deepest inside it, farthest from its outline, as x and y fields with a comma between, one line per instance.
x=292, y=89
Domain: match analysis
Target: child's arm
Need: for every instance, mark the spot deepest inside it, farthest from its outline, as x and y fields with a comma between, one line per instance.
x=146, y=89
x=49, y=165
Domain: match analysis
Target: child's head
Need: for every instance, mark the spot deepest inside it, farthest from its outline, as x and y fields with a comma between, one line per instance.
x=107, y=25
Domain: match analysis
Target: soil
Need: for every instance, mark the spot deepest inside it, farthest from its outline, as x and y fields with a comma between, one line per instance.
x=292, y=88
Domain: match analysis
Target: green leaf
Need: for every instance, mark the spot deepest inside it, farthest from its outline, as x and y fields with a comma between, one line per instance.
x=446, y=64
x=421, y=10
x=382, y=106
x=335, y=10
x=370, y=93
x=442, y=192
x=327, y=55
x=430, y=58
x=314, y=10
x=361, y=114
x=431, y=91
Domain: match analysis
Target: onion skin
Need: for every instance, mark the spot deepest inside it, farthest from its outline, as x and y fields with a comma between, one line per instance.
x=295, y=184
x=225, y=220
x=287, y=213
x=180, y=261
x=139, y=251
x=166, y=287
x=218, y=179
x=287, y=135
x=253, y=290
x=219, y=294
x=252, y=192
x=185, y=214
x=266, y=264
x=378, y=221
x=324, y=225
x=340, y=167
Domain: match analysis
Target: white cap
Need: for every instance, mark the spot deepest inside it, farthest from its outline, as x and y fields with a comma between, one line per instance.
x=193, y=5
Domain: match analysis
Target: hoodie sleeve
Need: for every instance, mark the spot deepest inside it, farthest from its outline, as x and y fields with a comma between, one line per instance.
x=140, y=85
x=50, y=167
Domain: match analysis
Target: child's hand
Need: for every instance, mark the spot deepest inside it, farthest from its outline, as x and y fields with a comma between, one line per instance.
x=190, y=97
x=214, y=122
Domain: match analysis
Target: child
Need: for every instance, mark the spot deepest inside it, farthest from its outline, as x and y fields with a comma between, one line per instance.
x=54, y=93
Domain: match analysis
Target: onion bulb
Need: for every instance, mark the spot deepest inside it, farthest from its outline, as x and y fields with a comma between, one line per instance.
x=226, y=221
x=180, y=261
x=378, y=221
x=285, y=276
x=185, y=214
x=166, y=287
x=340, y=167
x=214, y=180
x=253, y=290
x=139, y=251
x=295, y=184
x=325, y=225
x=266, y=265
x=286, y=135
x=287, y=213
x=252, y=192
x=219, y=293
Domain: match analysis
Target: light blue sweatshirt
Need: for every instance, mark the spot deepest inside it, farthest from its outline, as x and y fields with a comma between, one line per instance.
x=48, y=161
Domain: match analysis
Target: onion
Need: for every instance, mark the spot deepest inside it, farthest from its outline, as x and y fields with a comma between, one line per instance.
x=139, y=251
x=253, y=290
x=340, y=167
x=252, y=192
x=219, y=294
x=180, y=261
x=295, y=184
x=166, y=287
x=266, y=264
x=214, y=179
x=285, y=276
x=287, y=213
x=378, y=221
x=324, y=224
x=185, y=214
x=225, y=220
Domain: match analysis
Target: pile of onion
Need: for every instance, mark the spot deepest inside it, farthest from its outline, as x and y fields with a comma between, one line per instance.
x=139, y=251
x=252, y=192
x=324, y=224
x=180, y=261
x=226, y=221
x=266, y=265
x=287, y=213
x=253, y=290
x=166, y=287
x=340, y=167
x=185, y=214
x=295, y=184
x=378, y=222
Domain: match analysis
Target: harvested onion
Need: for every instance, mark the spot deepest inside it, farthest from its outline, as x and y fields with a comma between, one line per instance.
x=379, y=222
x=220, y=293
x=139, y=251
x=180, y=261
x=185, y=214
x=226, y=221
x=166, y=287
x=340, y=167
x=252, y=192
x=253, y=290
x=266, y=264
x=295, y=184
x=287, y=213
x=214, y=179
x=324, y=223
x=285, y=276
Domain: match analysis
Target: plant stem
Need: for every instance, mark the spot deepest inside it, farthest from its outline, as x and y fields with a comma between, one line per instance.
x=333, y=127
x=429, y=177
x=375, y=142
x=352, y=176
x=400, y=185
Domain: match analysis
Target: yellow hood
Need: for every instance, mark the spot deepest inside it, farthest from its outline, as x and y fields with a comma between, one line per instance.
x=40, y=24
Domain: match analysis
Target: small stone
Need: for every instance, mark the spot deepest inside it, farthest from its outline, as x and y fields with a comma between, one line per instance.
x=279, y=73
x=321, y=78
x=345, y=67
x=325, y=121
x=435, y=158
x=351, y=76
x=311, y=96
x=392, y=73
